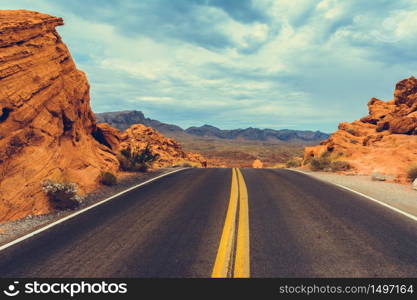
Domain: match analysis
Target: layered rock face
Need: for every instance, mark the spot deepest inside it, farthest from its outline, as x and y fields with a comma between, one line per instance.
x=47, y=128
x=46, y=125
x=139, y=137
x=385, y=141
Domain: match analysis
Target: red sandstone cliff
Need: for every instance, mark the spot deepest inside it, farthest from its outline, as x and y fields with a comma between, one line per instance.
x=46, y=124
x=385, y=141
x=47, y=128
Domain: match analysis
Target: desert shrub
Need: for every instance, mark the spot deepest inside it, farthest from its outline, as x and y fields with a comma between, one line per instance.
x=63, y=195
x=412, y=172
x=108, y=178
x=320, y=164
x=136, y=161
x=339, y=165
x=294, y=162
x=307, y=160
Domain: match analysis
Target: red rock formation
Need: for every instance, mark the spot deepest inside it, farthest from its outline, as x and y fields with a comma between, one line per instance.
x=46, y=124
x=139, y=136
x=385, y=141
x=257, y=164
x=47, y=128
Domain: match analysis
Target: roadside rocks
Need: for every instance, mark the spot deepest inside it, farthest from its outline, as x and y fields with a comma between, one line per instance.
x=378, y=177
x=257, y=164
x=384, y=141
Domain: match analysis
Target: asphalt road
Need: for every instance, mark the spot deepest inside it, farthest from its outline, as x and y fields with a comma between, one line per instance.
x=298, y=227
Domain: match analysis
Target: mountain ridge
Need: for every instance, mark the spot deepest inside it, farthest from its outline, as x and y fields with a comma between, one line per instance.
x=124, y=119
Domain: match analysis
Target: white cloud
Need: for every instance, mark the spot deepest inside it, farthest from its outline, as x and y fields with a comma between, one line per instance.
x=311, y=63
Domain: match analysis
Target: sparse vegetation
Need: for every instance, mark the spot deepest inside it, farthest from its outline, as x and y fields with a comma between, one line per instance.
x=412, y=172
x=108, y=178
x=328, y=162
x=63, y=195
x=339, y=165
x=320, y=164
x=294, y=162
x=137, y=161
x=224, y=152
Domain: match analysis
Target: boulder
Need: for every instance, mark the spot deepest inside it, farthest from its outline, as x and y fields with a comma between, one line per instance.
x=378, y=177
x=257, y=164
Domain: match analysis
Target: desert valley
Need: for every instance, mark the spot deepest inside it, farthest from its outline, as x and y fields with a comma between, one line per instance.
x=49, y=132
x=208, y=139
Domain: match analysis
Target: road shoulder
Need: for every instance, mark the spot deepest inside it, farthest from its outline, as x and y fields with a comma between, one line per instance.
x=399, y=196
x=13, y=230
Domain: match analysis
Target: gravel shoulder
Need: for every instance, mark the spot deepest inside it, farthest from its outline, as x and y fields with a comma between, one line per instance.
x=397, y=195
x=10, y=231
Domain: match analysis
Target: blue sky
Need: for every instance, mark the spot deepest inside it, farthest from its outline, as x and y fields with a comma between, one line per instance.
x=298, y=64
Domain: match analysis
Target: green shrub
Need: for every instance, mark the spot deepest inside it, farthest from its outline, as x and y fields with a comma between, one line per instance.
x=412, y=172
x=320, y=164
x=108, y=178
x=63, y=195
x=339, y=165
x=294, y=162
x=136, y=161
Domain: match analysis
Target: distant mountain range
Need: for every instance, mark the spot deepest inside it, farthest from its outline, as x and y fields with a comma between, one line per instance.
x=124, y=119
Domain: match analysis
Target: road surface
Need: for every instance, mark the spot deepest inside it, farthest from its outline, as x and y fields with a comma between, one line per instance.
x=295, y=226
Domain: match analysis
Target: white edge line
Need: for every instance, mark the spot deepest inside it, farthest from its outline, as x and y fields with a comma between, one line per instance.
x=413, y=217
x=22, y=238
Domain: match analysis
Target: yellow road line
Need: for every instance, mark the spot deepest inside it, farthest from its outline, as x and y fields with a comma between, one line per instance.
x=242, y=262
x=224, y=253
x=223, y=264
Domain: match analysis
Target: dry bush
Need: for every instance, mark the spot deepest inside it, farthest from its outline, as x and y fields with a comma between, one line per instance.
x=340, y=165
x=294, y=162
x=412, y=172
x=63, y=195
x=108, y=178
x=320, y=164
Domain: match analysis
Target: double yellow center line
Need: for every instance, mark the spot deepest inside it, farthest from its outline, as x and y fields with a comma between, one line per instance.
x=232, y=258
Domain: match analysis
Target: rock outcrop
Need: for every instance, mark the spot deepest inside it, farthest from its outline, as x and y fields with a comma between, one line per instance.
x=139, y=137
x=385, y=141
x=257, y=164
x=47, y=129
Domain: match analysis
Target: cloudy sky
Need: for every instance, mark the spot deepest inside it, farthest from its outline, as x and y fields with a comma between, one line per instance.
x=298, y=64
